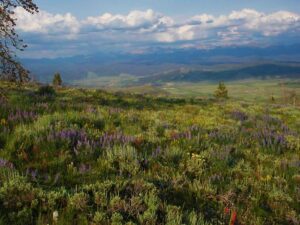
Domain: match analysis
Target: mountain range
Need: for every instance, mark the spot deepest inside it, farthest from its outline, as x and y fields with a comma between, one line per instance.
x=226, y=63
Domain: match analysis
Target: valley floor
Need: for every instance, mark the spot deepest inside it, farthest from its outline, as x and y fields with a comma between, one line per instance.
x=255, y=90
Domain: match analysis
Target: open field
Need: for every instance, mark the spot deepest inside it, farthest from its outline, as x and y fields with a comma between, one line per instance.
x=254, y=90
x=86, y=156
x=251, y=90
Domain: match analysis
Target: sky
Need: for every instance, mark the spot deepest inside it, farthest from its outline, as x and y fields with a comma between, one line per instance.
x=74, y=27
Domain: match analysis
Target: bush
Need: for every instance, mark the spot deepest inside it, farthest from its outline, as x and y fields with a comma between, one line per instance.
x=221, y=91
x=46, y=91
x=18, y=200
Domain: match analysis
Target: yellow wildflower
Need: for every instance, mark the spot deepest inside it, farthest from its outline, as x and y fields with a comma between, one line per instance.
x=3, y=122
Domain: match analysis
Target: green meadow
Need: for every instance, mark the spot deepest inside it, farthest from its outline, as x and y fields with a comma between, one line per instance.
x=249, y=89
x=172, y=155
x=254, y=90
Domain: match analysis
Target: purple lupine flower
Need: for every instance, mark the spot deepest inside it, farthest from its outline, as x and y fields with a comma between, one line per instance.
x=22, y=116
x=32, y=173
x=6, y=164
x=108, y=139
x=270, y=139
x=238, y=115
x=76, y=138
x=221, y=136
x=192, y=132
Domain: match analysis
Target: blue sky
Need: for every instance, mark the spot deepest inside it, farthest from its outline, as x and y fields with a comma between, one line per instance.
x=73, y=27
x=169, y=7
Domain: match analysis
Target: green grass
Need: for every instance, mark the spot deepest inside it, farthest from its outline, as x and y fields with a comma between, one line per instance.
x=93, y=81
x=88, y=156
x=252, y=90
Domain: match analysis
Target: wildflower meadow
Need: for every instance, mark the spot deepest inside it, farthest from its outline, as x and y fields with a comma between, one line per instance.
x=79, y=156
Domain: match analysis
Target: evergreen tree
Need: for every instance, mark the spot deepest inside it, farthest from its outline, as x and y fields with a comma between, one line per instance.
x=57, y=81
x=221, y=91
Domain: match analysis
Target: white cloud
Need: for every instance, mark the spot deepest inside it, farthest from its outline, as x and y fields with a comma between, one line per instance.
x=266, y=24
x=237, y=25
x=181, y=33
x=137, y=20
x=46, y=23
x=146, y=27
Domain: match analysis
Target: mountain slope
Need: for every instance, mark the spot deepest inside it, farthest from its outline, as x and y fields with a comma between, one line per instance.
x=157, y=61
x=262, y=71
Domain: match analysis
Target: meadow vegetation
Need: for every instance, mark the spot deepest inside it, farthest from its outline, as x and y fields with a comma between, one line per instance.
x=87, y=156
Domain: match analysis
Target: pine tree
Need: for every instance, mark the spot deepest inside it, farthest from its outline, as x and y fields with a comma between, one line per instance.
x=221, y=91
x=57, y=81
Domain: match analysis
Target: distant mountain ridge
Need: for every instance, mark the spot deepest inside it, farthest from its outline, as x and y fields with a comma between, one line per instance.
x=159, y=61
x=262, y=71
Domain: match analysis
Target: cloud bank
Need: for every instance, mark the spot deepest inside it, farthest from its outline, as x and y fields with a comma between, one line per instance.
x=65, y=34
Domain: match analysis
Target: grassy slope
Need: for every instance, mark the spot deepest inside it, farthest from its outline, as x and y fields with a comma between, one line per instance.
x=163, y=161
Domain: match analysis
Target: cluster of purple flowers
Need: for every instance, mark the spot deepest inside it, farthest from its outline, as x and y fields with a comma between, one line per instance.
x=78, y=139
x=75, y=138
x=271, y=139
x=221, y=136
x=32, y=173
x=238, y=115
x=22, y=116
x=285, y=129
x=6, y=164
x=272, y=123
x=188, y=134
x=72, y=134
x=110, y=139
